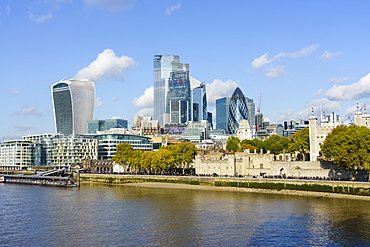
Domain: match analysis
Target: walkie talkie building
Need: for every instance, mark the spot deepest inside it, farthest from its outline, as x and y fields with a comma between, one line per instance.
x=73, y=105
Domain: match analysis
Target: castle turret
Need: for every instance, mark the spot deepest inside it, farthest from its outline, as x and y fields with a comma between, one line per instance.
x=314, y=147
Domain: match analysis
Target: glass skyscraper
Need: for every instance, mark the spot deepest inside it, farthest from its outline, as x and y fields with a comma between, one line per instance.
x=73, y=105
x=164, y=65
x=179, y=97
x=222, y=112
x=238, y=110
x=199, y=103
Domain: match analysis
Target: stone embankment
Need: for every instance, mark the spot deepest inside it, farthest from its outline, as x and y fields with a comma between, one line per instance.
x=317, y=188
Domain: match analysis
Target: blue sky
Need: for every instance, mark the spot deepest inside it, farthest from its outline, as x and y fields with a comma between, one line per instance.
x=295, y=53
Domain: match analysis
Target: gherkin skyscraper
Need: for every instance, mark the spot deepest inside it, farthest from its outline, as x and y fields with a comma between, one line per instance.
x=238, y=110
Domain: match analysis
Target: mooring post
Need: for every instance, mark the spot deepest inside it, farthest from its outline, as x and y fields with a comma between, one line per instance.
x=78, y=178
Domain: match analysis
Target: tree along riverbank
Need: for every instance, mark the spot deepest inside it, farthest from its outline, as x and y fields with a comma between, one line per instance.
x=337, y=189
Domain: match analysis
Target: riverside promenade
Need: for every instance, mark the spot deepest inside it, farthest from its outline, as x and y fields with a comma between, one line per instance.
x=300, y=187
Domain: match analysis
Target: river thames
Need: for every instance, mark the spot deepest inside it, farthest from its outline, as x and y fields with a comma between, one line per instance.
x=99, y=215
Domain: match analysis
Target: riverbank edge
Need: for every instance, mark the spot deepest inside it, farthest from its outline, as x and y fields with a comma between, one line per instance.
x=209, y=187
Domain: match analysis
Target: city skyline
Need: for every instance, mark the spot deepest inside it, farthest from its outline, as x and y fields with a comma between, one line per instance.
x=296, y=54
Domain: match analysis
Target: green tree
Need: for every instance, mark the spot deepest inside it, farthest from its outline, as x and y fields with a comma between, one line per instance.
x=135, y=159
x=259, y=144
x=348, y=147
x=232, y=143
x=300, y=142
x=276, y=144
x=183, y=153
x=147, y=161
x=163, y=160
x=123, y=154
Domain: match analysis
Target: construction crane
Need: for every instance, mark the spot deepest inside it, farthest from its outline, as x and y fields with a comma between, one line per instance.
x=259, y=105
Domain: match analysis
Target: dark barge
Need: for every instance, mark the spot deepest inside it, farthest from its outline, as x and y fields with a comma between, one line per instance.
x=46, y=180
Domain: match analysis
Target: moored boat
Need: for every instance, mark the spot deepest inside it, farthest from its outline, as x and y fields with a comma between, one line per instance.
x=2, y=179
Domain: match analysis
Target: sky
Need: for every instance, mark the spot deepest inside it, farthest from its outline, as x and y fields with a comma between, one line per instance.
x=289, y=56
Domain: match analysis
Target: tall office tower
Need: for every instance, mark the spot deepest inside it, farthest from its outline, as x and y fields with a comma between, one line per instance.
x=222, y=112
x=199, y=103
x=251, y=111
x=259, y=120
x=238, y=110
x=179, y=97
x=73, y=104
x=163, y=66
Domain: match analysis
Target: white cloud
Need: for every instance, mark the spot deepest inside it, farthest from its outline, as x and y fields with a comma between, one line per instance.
x=145, y=100
x=318, y=92
x=357, y=90
x=326, y=105
x=328, y=55
x=194, y=82
x=323, y=103
x=8, y=8
x=14, y=92
x=302, y=53
x=350, y=111
x=284, y=115
x=106, y=65
x=263, y=60
x=172, y=8
x=114, y=99
x=275, y=71
x=340, y=80
x=145, y=112
x=99, y=103
x=219, y=89
x=40, y=18
x=112, y=5
x=28, y=111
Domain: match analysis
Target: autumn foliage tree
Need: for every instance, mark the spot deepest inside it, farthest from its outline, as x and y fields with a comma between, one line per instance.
x=179, y=155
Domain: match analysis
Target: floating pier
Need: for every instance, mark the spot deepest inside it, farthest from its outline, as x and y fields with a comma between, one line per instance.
x=43, y=179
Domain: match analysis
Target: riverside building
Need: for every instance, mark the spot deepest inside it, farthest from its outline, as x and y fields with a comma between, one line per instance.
x=19, y=155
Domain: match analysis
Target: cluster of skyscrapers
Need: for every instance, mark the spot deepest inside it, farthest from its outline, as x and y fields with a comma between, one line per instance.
x=176, y=103
x=180, y=109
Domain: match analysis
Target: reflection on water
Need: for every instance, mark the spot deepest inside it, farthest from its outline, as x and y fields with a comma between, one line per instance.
x=95, y=215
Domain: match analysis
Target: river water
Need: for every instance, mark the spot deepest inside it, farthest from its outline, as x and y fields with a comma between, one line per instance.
x=99, y=215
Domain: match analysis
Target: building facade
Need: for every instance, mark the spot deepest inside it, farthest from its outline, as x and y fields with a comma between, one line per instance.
x=19, y=155
x=199, y=102
x=70, y=150
x=164, y=65
x=251, y=111
x=109, y=139
x=73, y=105
x=196, y=131
x=222, y=112
x=179, y=97
x=100, y=125
x=146, y=126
